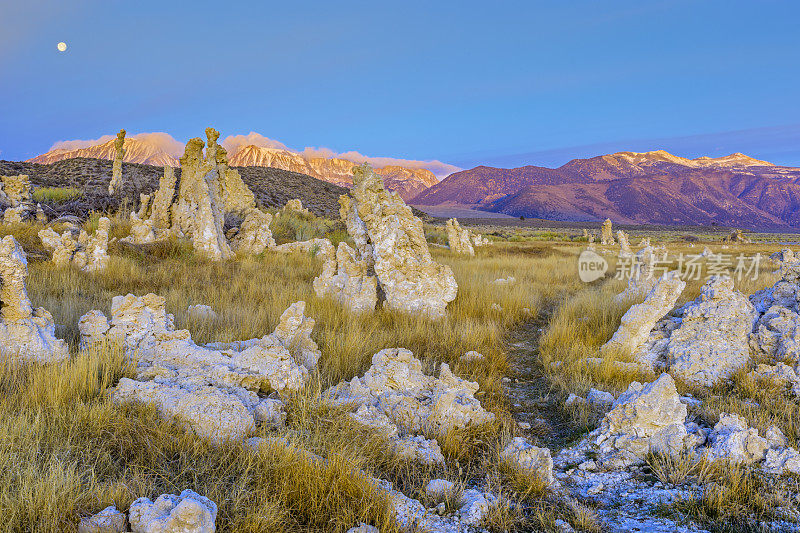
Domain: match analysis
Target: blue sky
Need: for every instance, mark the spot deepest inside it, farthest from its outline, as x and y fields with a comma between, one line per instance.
x=468, y=83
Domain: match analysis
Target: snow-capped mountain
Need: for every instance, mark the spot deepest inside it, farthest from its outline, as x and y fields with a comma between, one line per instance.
x=408, y=182
x=136, y=151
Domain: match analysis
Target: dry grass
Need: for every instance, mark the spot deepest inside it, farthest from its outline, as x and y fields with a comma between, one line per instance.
x=69, y=452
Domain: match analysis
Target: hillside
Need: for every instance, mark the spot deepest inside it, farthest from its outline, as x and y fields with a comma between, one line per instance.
x=641, y=188
x=407, y=181
x=272, y=187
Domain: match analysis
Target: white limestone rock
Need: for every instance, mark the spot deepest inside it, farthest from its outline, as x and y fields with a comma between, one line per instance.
x=201, y=313
x=363, y=528
x=780, y=373
x=520, y=454
x=210, y=412
x=109, y=520
x=315, y=247
x=733, y=440
x=624, y=244
x=294, y=333
x=641, y=274
x=645, y=418
x=637, y=323
x=410, y=279
x=25, y=333
x=296, y=206
x=458, y=238
x=607, y=233
x=396, y=398
x=712, y=341
x=345, y=278
x=254, y=235
x=187, y=513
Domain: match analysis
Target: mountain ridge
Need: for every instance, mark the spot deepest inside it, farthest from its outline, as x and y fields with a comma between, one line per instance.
x=630, y=187
x=407, y=181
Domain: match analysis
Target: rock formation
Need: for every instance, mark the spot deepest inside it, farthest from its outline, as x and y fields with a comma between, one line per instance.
x=90, y=254
x=162, y=200
x=109, y=520
x=357, y=230
x=187, y=513
x=234, y=196
x=459, y=238
x=26, y=334
x=624, y=245
x=198, y=212
x=641, y=278
x=315, y=247
x=296, y=206
x=707, y=340
x=345, y=278
x=395, y=397
x=480, y=240
x=411, y=281
x=637, y=323
x=607, y=233
x=522, y=455
x=645, y=418
x=214, y=389
x=254, y=235
x=15, y=190
x=116, y=169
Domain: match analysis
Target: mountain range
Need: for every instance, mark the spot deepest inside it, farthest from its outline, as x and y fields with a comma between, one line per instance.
x=406, y=181
x=629, y=187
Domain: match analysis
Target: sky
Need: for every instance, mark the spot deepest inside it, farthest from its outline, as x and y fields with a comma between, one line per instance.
x=464, y=83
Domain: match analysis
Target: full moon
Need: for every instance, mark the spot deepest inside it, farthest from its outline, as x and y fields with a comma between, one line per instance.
x=62, y=46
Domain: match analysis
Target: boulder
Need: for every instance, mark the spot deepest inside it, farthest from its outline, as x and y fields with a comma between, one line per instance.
x=396, y=398
x=211, y=412
x=712, y=340
x=187, y=513
x=16, y=189
x=109, y=520
x=645, y=418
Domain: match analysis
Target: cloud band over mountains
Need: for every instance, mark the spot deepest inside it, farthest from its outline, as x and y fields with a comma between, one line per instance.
x=234, y=143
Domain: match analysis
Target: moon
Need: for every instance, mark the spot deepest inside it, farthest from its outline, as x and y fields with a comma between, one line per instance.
x=62, y=46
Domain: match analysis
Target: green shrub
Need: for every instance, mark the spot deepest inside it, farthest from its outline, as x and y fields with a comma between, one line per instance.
x=56, y=194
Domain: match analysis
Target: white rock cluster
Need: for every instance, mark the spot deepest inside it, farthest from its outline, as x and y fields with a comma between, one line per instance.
x=607, y=233
x=89, y=253
x=459, y=239
x=641, y=279
x=707, y=339
x=214, y=389
x=395, y=397
x=254, y=235
x=26, y=333
x=187, y=513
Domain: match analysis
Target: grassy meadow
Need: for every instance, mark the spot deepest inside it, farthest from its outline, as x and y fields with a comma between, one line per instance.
x=66, y=451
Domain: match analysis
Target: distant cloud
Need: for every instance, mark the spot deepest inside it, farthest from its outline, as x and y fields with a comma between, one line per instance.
x=161, y=140
x=235, y=143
